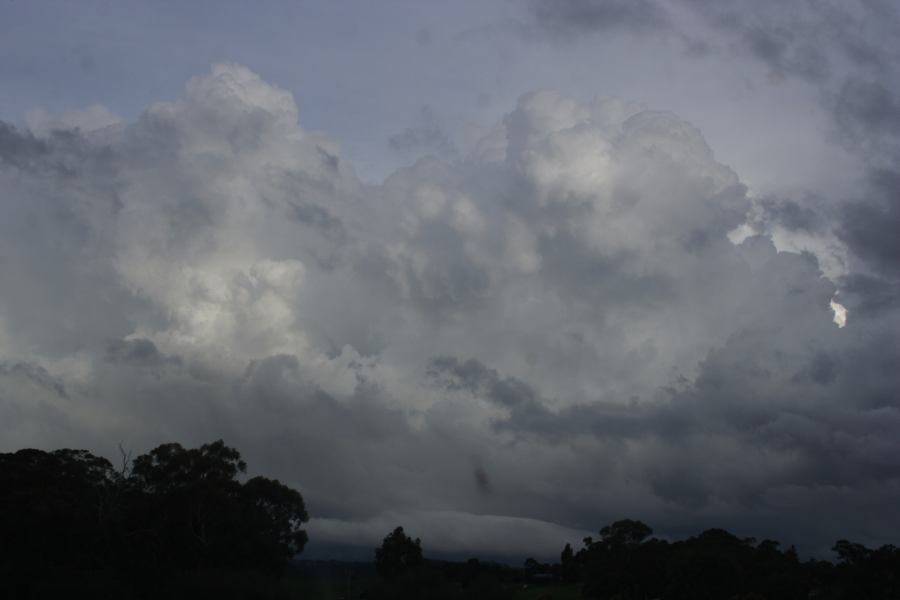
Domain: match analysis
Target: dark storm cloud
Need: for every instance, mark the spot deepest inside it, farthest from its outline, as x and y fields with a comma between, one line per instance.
x=815, y=421
x=869, y=226
x=866, y=108
x=561, y=17
x=866, y=112
x=867, y=118
x=831, y=443
x=869, y=295
x=825, y=414
x=823, y=369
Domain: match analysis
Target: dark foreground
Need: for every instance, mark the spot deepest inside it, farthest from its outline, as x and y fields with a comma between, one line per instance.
x=181, y=523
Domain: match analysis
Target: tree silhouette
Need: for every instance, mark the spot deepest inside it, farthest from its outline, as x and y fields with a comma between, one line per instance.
x=569, y=565
x=179, y=510
x=273, y=515
x=618, y=561
x=200, y=515
x=397, y=554
x=54, y=506
x=625, y=533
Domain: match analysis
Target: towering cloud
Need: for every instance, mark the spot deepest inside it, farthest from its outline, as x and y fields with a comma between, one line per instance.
x=549, y=331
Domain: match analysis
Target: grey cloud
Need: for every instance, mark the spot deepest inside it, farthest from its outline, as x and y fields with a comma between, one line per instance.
x=316, y=216
x=809, y=40
x=869, y=105
x=836, y=446
x=568, y=263
x=332, y=161
x=745, y=396
x=862, y=96
x=785, y=52
x=823, y=369
x=482, y=481
x=35, y=374
x=867, y=115
x=18, y=149
x=870, y=296
x=600, y=347
x=797, y=39
x=139, y=352
x=794, y=214
x=847, y=51
x=869, y=226
x=825, y=418
x=427, y=137
x=452, y=374
x=323, y=226
x=526, y=408
x=63, y=190
x=582, y=16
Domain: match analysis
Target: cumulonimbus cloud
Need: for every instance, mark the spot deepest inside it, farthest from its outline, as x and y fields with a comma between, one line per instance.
x=561, y=308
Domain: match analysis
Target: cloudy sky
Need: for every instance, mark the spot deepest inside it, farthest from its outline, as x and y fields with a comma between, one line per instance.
x=500, y=272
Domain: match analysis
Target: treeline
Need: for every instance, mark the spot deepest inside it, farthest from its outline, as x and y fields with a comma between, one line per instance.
x=182, y=523
x=168, y=524
x=627, y=563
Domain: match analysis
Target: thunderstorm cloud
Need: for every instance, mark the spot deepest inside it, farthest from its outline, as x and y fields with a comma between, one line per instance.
x=577, y=314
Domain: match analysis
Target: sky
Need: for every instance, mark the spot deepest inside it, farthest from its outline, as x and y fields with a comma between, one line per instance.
x=498, y=272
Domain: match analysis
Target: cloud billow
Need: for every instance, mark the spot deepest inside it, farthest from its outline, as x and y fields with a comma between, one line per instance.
x=846, y=53
x=544, y=333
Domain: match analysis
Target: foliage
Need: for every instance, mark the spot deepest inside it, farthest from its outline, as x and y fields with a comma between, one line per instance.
x=398, y=554
x=626, y=563
x=176, y=513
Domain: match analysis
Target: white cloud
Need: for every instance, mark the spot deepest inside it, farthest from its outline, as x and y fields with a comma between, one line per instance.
x=840, y=313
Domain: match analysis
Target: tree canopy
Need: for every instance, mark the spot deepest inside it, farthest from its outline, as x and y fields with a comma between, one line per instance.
x=398, y=553
x=175, y=509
